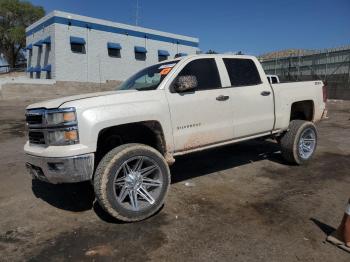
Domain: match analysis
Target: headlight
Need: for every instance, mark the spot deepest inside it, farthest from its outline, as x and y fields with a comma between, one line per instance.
x=52, y=126
x=64, y=116
x=62, y=126
x=67, y=136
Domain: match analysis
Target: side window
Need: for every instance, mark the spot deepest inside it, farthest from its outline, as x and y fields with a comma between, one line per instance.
x=206, y=72
x=269, y=79
x=274, y=80
x=242, y=72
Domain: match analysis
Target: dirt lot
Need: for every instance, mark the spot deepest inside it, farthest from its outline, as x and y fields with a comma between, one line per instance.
x=237, y=203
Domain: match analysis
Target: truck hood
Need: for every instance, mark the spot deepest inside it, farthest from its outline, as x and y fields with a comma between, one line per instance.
x=56, y=103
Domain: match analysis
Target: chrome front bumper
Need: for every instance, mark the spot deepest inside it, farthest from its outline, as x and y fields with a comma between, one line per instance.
x=58, y=170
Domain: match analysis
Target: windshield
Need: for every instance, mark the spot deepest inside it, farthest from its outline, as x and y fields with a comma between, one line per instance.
x=148, y=78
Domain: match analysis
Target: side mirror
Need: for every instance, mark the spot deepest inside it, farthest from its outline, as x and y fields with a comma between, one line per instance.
x=185, y=83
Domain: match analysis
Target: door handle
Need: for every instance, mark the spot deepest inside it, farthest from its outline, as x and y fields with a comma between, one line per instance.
x=265, y=93
x=222, y=98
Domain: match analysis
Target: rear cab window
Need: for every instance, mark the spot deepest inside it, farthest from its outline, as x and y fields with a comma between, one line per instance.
x=242, y=72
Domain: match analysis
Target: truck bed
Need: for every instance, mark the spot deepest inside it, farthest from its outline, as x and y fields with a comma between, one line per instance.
x=288, y=93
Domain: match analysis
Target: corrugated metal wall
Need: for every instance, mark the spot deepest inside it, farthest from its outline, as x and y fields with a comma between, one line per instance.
x=330, y=65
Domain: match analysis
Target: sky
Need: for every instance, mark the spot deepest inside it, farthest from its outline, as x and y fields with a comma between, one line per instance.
x=251, y=26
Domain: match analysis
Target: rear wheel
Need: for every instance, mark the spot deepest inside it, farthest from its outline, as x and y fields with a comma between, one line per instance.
x=299, y=143
x=131, y=182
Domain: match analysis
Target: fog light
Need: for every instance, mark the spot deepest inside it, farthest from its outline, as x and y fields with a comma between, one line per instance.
x=56, y=166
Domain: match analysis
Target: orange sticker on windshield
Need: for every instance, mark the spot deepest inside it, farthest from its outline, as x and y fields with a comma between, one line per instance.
x=165, y=71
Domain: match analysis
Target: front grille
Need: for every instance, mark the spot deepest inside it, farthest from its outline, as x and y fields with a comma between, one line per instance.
x=34, y=119
x=36, y=137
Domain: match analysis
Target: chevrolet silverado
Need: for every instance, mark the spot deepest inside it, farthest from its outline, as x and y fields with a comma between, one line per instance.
x=123, y=141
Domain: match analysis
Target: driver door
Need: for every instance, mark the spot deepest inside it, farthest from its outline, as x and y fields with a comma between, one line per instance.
x=202, y=116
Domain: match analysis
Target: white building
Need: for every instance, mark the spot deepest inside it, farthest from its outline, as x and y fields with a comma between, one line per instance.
x=69, y=47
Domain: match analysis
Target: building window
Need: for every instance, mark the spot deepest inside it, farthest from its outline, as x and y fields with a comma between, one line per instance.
x=114, y=49
x=77, y=44
x=114, y=52
x=163, y=55
x=78, y=48
x=140, y=53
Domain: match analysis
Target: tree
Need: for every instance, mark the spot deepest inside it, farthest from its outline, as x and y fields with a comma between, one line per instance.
x=15, y=16
x=211, y=52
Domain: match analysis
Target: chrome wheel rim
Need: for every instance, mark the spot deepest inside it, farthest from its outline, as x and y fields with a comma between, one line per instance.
x=307, y=143
x=138, y=183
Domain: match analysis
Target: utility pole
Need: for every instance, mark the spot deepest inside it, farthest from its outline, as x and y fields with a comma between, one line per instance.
x=349, y=71
x=326, y=71
x=299, y=62
x=137, y=14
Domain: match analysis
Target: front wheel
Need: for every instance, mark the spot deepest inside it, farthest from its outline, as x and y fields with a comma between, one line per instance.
x=131, y=182
x=299, y=143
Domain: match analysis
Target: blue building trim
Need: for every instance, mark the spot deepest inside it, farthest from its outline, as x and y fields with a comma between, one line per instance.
x=110, y=29
x=47, y=40
x=46, y=68
x=163, y=53
x=140, y=49
x=111, y=45
x=38, y=43
x=77, y=40
x=36, y=69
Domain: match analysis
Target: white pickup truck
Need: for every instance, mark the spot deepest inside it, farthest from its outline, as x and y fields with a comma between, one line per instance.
x=123, y=141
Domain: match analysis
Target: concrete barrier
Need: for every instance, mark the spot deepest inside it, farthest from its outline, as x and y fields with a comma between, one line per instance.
x=46, y=90
x=39, y=89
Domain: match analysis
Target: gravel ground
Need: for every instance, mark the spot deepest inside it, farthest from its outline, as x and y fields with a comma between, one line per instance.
x=237, y=203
